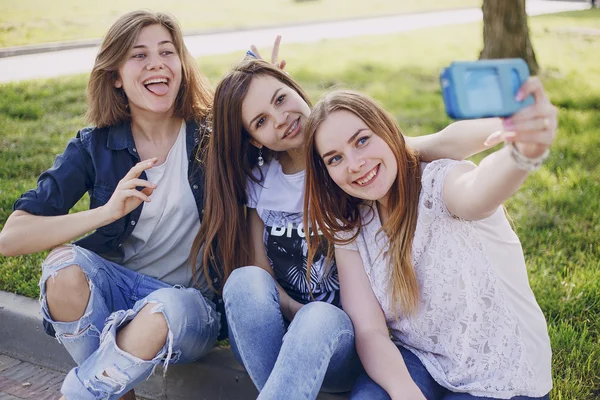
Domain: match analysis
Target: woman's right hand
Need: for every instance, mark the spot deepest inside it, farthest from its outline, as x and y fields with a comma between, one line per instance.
x=126, y=196
x=534, y=126
x=532, y=129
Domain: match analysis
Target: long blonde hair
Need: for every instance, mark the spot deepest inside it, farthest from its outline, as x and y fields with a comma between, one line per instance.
x=332, y=210
x=107, y=105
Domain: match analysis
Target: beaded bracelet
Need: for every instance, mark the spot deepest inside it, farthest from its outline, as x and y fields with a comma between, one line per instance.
x=526, y=163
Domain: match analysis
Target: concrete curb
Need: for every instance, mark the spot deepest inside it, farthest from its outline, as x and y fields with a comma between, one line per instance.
x=216, y=376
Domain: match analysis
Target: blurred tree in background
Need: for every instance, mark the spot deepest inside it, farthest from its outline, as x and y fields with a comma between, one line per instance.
x=506, y=33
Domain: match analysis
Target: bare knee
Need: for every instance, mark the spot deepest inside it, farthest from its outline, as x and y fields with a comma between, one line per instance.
x=154, y=320
x=70, y=283
x=67, y=291
x=146, y=334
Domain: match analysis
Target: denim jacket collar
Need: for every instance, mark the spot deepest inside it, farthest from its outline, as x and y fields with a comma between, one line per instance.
x=120, y=137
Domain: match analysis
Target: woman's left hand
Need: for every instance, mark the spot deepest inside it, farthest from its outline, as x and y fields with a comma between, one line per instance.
x=533, y=128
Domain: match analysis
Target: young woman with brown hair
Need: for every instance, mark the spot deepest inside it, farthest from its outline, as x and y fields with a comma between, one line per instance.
x=425, y=253
x=117, y=298
x=253, y=228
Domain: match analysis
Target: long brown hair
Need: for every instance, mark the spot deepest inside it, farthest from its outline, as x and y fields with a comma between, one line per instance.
x=229, y=159
x=332, y=210
x=107, y=105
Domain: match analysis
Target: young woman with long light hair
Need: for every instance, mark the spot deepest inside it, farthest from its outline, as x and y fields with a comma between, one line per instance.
x=431, y=273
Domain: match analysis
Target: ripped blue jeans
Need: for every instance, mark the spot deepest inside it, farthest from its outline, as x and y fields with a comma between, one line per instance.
x=117, y=294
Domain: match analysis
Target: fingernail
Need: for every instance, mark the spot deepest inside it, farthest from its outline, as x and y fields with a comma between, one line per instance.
x=493, y=139
x=519, y=96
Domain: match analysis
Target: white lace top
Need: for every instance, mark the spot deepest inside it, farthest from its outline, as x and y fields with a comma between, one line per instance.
x=478, y=328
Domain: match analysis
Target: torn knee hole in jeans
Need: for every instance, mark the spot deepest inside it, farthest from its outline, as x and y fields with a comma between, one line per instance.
x=85, y=317
x=117, y=320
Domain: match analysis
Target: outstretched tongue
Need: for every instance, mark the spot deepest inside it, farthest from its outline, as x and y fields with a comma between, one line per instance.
x=159, y=89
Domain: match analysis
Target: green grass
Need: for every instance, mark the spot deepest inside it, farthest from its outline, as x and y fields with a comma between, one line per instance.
x=556, y=214
x=35, y=21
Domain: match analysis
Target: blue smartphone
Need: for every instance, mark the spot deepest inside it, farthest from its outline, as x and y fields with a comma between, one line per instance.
x=484, y=88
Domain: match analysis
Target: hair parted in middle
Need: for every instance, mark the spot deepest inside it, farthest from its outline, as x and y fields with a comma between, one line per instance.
x=107, y=105
x=229, y=160
x=332, y=210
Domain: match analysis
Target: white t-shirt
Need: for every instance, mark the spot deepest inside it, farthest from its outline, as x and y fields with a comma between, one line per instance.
x=478, y=328
x=160, y=243
x=278, y=200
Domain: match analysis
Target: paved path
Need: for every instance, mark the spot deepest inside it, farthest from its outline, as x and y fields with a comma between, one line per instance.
x=22, y=380
x=68, y=62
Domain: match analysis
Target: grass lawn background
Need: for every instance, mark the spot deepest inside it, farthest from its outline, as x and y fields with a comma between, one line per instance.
x=556, y=213
x=35, y=21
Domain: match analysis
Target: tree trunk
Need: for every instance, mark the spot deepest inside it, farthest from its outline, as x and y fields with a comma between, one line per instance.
x=505, y=32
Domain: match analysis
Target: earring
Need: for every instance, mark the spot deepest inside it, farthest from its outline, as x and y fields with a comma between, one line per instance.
x=261, y=160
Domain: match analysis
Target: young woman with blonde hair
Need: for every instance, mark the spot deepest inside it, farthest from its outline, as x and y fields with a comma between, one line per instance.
x=254, y=163
x=117, y=298
x=431, y=273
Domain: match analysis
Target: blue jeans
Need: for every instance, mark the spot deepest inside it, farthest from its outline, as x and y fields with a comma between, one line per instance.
x=315, y=352
x=367, y=389
x=117, y=294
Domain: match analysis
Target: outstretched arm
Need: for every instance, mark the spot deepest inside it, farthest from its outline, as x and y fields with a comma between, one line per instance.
x=458, y=140
x=476, y=192
x=26, y=233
